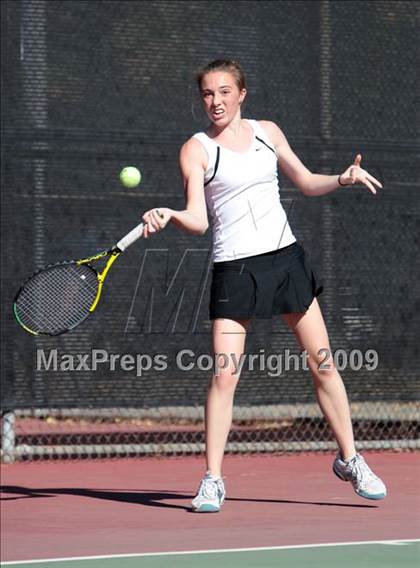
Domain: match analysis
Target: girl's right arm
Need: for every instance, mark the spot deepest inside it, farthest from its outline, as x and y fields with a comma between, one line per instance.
x=193, y=164
x=193, y=219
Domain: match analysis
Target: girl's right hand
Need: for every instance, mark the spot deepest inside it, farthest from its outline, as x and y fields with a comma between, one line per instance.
x=155, y=220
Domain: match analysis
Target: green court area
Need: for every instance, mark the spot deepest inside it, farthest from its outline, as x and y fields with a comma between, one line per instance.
x=386, y=554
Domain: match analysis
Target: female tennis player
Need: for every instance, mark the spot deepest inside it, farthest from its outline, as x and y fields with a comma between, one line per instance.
x=259, y=268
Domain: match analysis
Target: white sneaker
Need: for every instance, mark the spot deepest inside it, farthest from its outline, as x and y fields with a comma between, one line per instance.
x=210, y=495
x=364, y=481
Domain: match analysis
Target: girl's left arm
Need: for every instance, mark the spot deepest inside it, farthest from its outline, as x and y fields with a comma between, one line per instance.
x=309, y=183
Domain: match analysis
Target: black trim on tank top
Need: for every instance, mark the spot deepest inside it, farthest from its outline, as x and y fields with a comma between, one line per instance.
x=265, y=144
x=216, y=165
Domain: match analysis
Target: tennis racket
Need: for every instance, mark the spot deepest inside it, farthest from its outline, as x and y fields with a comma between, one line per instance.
x=61, y=296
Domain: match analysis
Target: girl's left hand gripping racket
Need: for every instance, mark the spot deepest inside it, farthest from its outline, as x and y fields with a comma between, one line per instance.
x=61, y=296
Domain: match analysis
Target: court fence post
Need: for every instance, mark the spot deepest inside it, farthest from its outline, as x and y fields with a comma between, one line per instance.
x=8, y=437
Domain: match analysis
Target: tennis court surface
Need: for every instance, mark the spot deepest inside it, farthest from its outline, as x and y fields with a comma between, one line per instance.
x=280, y=510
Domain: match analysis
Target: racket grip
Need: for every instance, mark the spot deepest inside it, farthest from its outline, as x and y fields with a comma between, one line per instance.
x=130, y=237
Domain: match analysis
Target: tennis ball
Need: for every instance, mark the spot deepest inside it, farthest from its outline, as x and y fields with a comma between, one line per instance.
x=130, y=176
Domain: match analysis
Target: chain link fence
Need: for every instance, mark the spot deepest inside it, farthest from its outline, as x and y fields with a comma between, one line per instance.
x=133, y=432
x=90, y=87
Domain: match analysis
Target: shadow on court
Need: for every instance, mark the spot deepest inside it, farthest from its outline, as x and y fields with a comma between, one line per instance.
x=67, y=509
x=147, y=498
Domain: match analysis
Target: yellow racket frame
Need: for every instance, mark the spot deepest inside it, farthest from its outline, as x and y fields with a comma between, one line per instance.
x=114, y=254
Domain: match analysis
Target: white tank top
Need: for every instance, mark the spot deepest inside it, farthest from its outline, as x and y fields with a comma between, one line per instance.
x=243, y=199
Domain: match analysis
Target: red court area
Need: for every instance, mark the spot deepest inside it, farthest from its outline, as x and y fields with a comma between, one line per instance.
x=65, y=509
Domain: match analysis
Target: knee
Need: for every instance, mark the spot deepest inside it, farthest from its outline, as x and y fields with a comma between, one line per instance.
x=322, y=365
x=224, y=380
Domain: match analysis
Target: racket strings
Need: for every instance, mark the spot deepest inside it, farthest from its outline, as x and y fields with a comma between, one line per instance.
x=57, y=299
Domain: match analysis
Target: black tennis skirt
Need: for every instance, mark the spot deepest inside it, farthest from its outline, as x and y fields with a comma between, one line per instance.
x=261, y=286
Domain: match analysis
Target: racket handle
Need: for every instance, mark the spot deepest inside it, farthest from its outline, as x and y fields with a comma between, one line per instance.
x=130, y=237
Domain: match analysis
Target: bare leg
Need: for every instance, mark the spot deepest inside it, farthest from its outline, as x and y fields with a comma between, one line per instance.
x=228, y=338
x=310, y=331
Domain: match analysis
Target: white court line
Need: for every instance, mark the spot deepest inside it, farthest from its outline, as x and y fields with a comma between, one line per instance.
x=396, y=543
x=214, y=551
